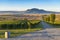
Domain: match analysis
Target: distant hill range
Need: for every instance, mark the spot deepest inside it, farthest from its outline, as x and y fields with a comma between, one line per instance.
x=35, y=10
x=29, y=11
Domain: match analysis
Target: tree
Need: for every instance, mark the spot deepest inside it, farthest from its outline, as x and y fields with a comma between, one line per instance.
x=48, y=18
x=44, y=17
x=29, y=25
x=52, y=18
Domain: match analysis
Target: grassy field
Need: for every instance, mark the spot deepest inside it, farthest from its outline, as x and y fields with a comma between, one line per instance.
x=55, y=25
x=17, y=32
x=17, y=21
x=57, y=21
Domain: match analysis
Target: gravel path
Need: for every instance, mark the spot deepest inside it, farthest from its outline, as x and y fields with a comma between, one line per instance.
x=48, y=33
x=46, y=25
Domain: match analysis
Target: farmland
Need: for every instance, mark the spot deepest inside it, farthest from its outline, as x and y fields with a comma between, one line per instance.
x=20, y=17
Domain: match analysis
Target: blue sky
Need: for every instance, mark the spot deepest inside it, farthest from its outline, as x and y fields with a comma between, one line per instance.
x=21, y=5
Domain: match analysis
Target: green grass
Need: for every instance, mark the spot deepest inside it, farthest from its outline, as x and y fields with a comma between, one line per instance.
x=57, y=22
x=55, y=25
x=17, y=21
x=34, y=21
x=9, y=22
x=17, y=32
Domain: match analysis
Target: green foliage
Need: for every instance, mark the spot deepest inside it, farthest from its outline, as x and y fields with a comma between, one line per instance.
x=46, y=18
x=21, y=24
x=49, y=18
x=52, y=18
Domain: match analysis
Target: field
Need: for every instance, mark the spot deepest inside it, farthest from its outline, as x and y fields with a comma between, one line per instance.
x=57, y=21
x=57, y=24
x=16, y=32
x=17, y=25
x=20, y=17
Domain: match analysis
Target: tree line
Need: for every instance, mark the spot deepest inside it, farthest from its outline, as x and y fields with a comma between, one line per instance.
x=49, y=18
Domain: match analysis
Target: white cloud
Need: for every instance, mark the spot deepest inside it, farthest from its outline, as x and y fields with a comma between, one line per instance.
x=18, y=8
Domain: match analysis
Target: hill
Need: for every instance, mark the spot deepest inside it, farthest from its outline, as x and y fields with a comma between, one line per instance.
x=35, y=10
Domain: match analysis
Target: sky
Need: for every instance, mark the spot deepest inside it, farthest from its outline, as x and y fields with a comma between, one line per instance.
x=21, y=5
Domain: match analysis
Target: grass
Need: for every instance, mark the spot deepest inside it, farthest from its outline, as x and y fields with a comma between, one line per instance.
x=57, y=22
x=35, y=21
x=55, y=25
x=17, y=32
x=9, y=22
x=17, y=21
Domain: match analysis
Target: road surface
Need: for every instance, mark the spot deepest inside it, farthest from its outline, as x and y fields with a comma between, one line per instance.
x=48, y=33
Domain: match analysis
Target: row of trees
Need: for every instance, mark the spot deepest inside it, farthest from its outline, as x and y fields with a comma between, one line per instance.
x=49, y=18
x=23, y=24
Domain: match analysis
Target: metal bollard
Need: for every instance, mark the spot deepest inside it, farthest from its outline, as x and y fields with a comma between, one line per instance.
x=7, y=34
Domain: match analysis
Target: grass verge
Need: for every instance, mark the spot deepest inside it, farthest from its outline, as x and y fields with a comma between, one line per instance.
x=17, y=32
